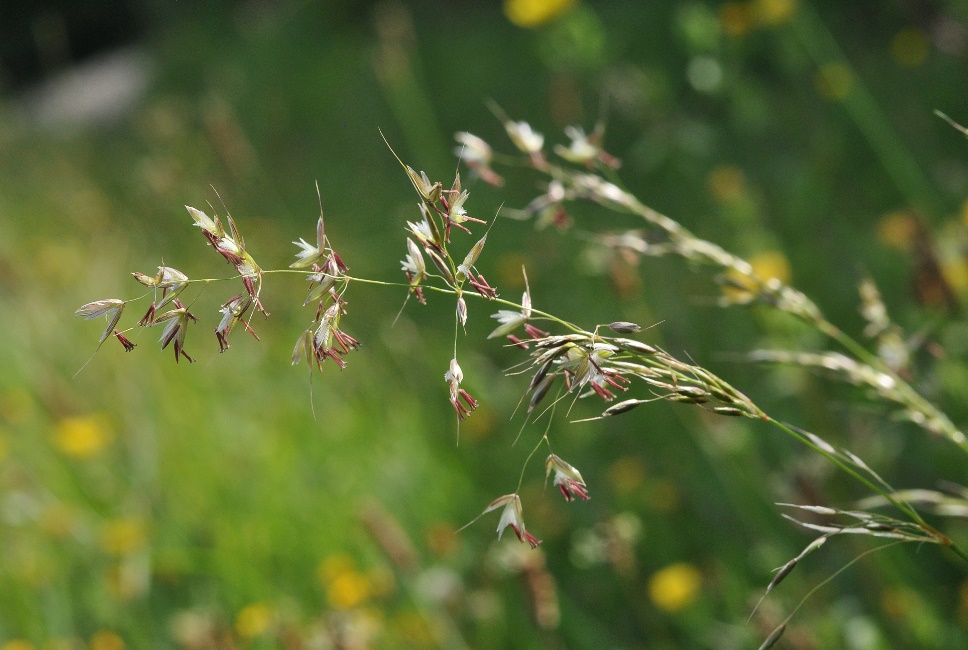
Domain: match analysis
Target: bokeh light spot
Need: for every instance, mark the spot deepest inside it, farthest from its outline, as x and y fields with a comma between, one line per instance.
x=676, y=586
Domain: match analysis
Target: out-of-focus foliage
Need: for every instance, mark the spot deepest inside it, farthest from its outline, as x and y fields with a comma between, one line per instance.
x=199, y=506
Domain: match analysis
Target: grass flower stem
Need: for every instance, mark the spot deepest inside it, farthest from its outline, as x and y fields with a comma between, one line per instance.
x=544, y=440
x=802, y=436
x=887, y=493
x=382, y=283
x=683, y=243
x=778, y=631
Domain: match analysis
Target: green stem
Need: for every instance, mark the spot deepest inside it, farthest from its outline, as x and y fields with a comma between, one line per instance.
x=934, y=419
x=832, y=457
x=836, y=573
x=958, y=551
x=544, y=439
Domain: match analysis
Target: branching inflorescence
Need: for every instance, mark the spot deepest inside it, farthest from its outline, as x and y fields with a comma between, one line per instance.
x=573, y=362
x=592, y=364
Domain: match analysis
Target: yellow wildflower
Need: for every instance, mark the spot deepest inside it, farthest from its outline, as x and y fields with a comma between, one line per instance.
x=254, y=620
x=897, y=230
x=771, y=264
x=345, y=586
x=955, y=272
x=332, y=566
x=533, y=13
x=83, y=436
x=347, y=590
x=123, y=536
x=768, y=265
x=674, y=587
x=774, y=12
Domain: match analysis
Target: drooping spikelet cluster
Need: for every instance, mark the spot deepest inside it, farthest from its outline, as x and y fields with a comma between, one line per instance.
x=327, y=284
x=591, y=364
x=169, y=283
x=429, y=237
x=324, y=269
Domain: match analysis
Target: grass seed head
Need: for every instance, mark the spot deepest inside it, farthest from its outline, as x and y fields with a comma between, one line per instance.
x=111, y=309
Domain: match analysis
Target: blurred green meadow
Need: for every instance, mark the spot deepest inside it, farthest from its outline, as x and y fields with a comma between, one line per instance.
x=234, y=503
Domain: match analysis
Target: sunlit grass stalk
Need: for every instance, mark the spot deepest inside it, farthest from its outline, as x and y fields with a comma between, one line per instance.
x=582, y=185
x=581, y=363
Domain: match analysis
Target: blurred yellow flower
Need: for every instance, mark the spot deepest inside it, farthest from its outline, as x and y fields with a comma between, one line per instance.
x=726, y=183
x=955, y=272
x=771, y=265
x=82, y=436
x=910, y=47
x=348, y=590
x=334, y=565
x=675, y=587
x=897, y=230
x=123, y=536
x=736, y=18
x=345, y=586
x=774, y=12
x=768, y=265
x=834, y=80
x=105, y=640
x=254, y=620
x=532, y=13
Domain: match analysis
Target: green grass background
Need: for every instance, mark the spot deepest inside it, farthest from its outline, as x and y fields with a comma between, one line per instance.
x=221, y=513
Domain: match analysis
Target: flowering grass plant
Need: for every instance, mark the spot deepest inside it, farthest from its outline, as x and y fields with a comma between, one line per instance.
x=442, y=256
